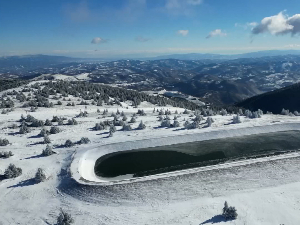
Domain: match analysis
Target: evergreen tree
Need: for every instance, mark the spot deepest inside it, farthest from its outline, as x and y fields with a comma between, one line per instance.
x=69, y=143
x=141, y=126
x=47, y=139
x=64, y=218
x=12, y=171
x=40, y=175
x=47, y=151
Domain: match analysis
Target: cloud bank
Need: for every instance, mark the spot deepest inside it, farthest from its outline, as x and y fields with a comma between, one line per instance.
x=217, y=32
x=279, y=24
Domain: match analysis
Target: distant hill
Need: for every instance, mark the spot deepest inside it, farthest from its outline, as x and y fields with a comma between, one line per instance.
x=218, y=92
x=275, y=101
x=200, y=56
x=33, y=61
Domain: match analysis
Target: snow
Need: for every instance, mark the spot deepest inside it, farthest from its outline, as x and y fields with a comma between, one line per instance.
x=264, y=191
x=83, y=76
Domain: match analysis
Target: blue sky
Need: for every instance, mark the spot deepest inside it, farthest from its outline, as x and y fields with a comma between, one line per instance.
x=113, y=28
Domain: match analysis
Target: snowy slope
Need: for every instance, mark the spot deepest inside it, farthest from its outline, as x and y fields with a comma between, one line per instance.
x=264, y=191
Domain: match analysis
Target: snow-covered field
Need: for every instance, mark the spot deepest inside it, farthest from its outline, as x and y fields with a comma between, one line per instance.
x=264, y=191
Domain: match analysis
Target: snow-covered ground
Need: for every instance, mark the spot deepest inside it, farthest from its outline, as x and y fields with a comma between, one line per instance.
x=264, y=191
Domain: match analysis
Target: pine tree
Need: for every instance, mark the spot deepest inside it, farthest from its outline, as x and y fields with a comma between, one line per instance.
x=47, y=139
x=141, y=126
x=176, y=123
x=64, y=218
x=229, y=213
x=47, y=151
x=84, y=140
x=12, y=171
x=69, y=143
x=40, y=175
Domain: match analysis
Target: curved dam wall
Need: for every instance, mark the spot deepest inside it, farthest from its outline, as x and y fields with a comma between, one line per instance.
x=84, y=160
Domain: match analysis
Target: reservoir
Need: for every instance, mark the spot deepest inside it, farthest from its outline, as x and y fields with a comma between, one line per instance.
x=162, y=159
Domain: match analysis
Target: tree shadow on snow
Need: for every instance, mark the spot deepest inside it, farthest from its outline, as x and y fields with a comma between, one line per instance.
x=35, y=136
x=229, y=123
x=2, y=177
x=35, y=156
x=103, y=133
x=37, y=143
x=13, y=133
x=215, y=219
x=178, y=129
x=24, y=183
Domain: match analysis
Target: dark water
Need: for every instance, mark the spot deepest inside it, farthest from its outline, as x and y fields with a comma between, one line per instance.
x=169, y=158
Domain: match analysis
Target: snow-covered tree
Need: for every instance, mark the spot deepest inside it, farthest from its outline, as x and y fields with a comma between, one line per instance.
x=141, y=112
x=132, y=120
x=229, y=213
x=40, y=175
x=185, y=111
x=4, y=142
x=6, y=154
x=47, y=151
x=165, y=123
x=24, y=129
x=64, y=218
x=186, y=124
x=44, y=132
x=127, y=127
x=176, y=123
x=47, y=139
x=54, y=130
x=112, y=129
x=141, y=126
x=236, y=119
x=209, y=121
x=48, y=122
x=241, y=112
x=12, y=171
x=72, y=122
x=84, y=140
x=69, y=143
x=60, y=122
x=285, y=112
x=223, y=112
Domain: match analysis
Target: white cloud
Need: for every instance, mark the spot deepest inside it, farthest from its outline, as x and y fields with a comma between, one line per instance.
x=279, y=24
x=98, y=40
x=183, y=32
x=142, y=39
x=217, y=32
